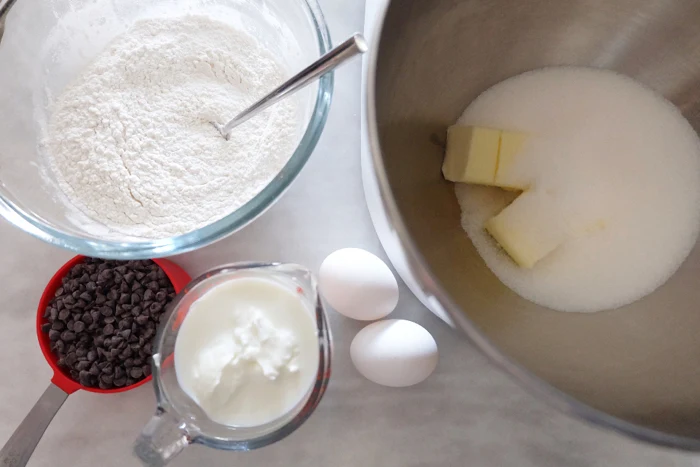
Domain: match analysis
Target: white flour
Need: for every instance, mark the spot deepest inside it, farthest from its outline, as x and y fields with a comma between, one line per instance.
x=130, y=140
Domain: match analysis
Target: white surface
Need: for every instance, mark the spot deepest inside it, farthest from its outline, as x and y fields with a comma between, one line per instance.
x=247, y=351
x=357, y=284
x=466, y=414
x=394, y=352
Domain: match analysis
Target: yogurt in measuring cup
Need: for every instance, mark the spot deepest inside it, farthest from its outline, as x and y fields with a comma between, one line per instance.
x=247, y=351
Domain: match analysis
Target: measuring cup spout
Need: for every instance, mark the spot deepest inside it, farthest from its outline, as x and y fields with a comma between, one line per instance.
x=163, y=438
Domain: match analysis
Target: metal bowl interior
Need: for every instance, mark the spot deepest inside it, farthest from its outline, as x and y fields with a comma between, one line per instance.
x=45, y=46
x=631, y=369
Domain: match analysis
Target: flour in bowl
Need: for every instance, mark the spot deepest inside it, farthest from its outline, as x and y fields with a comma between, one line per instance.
x=130, y=140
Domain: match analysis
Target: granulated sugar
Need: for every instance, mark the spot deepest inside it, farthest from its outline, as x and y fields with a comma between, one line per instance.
x=130, y=141
x=611, y=150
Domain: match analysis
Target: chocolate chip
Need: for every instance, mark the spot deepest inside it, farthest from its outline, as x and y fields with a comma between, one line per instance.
x=79, y=326
x=105, y=275
x=108, y=330
x=70, y=359
x=67, y=336
x=142, y=319
x=162, y=296
x=59, y=346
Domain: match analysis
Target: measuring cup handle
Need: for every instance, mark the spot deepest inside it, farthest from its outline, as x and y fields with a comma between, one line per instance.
x=163, y=437
x=20, y=447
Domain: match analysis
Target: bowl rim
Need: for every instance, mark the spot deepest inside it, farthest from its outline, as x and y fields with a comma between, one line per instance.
x=32, y=224
x=442, y=304
x=177, y=276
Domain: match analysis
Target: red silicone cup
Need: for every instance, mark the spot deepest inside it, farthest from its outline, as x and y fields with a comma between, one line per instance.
x=178, y=277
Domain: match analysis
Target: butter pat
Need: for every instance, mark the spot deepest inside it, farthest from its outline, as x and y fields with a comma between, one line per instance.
x=530, y=228
x=483, y=156
x=507, y=176
x=472, y=155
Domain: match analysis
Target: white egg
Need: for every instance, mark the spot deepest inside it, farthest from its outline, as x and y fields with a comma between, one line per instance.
x=394, y=353
x=358, y=285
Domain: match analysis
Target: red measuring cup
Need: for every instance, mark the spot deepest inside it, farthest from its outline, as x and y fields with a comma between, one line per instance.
x=21, y=445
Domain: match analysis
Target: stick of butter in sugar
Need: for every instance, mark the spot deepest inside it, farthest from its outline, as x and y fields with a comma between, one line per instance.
x=530, y=228
x=472, y=154
x=483, y=156
x=511, y=143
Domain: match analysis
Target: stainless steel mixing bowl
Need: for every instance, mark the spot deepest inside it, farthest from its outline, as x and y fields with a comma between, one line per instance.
x=634, y=369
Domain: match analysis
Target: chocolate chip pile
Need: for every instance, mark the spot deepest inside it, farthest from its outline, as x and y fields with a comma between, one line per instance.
x=102, y=320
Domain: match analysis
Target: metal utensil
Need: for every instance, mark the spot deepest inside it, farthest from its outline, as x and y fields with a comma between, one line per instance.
x=352, y=47
x=4, y=10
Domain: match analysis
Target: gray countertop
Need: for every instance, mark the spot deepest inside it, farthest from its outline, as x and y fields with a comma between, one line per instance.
x=466, y=414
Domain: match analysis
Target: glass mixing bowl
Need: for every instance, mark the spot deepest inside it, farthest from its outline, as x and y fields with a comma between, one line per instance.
x=46, y=43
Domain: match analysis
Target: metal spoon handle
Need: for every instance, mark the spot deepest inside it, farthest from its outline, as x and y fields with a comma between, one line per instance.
x=4, y=10
x=356, y=45
x=20, y=447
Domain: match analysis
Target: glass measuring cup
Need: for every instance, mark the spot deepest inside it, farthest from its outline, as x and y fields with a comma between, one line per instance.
x=178, y=420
